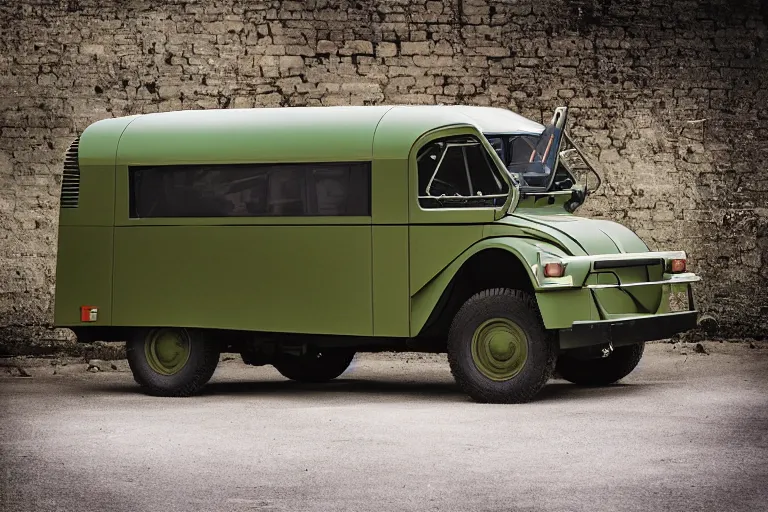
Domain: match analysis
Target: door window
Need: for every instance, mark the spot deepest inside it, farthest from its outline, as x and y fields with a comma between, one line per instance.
x=456, y=172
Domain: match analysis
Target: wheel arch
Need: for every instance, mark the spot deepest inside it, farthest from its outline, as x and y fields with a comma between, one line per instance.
x=492, y=262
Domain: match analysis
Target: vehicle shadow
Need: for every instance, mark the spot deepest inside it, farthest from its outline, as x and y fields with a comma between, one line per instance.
x=338, y=387
x=555, y=390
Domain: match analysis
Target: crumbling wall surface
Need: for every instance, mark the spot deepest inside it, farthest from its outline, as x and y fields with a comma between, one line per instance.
x=670, y=97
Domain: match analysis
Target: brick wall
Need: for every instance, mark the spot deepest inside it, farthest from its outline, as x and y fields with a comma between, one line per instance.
x=670, y=96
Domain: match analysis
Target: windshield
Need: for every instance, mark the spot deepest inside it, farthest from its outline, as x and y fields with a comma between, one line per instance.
x=544, y=162
x=532, y=159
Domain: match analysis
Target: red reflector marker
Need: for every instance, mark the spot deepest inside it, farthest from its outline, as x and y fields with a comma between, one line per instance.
x=553, y=270
x=677, y=266
x=89, y=313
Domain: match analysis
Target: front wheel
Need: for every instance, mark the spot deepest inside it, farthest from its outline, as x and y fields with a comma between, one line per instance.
x=498, y=349
x=603, y=371
x=315, y=367
x=171, y=361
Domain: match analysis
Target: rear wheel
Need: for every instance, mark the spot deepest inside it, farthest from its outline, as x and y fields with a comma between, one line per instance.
x=498, y=349
x=600, y=372
x=171, y=361
x=321, y=366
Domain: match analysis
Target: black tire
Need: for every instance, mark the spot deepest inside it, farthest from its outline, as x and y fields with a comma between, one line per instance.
x=515, y=306
x=321, y=366
x=189, y=379
x=603, y=371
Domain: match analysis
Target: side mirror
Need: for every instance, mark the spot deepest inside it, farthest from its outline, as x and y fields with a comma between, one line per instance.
x=578, y=196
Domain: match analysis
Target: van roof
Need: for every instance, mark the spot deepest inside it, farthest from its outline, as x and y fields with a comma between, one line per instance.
x=275, y=134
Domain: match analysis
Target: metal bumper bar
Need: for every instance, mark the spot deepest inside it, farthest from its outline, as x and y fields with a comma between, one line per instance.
x=675, y=279
x=626, y=331
x=585, y=265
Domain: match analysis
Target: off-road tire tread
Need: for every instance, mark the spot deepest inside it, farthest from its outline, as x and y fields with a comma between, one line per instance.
x=526, y=385
x=601, y=372
x=149, y=381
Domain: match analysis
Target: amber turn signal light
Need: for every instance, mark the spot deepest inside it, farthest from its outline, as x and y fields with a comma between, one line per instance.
x=676, y=266
x=554, y=270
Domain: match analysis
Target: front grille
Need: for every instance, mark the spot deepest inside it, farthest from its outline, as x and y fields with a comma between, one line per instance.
x=70, y=182
x=602, y=264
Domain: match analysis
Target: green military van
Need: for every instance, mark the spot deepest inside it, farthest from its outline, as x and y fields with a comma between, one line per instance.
x=298, y=237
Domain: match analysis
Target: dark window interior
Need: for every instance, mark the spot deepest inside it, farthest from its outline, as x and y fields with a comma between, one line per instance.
x=484, y=178
x=520, y=149
x=498, y=146
x=451, y=178
x=522, y=155
x=251, y=190
x=465, y=175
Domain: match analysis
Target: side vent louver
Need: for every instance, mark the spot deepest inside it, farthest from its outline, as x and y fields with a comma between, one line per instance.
x=70, y=182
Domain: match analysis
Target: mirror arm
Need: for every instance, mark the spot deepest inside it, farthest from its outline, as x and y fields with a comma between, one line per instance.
x=586, y=159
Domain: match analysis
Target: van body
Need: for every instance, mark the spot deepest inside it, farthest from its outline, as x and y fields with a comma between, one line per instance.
x=300, y=236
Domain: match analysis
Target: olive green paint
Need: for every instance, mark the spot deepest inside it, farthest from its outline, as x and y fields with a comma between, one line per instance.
x=250, y=135
x=83, y=274
x=520, y=227
x=303, y=279
x=84, y=242
x=167, y=350
x=426, y=298
x=389, y=191
x=637, y=300
x=391, y=298
x=433, y=247
x=592, y=235
x=559, y=309
x=379, y=275
x=499, y=349
x=96, y=158
x=552, y=203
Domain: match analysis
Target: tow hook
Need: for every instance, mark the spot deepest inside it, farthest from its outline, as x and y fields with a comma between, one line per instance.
x=607, y=351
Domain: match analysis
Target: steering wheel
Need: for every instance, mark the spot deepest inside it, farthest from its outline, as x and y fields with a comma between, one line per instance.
x=448, y=189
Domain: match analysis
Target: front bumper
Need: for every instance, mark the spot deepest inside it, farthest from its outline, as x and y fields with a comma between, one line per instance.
x=626, y=331
x=596, y=325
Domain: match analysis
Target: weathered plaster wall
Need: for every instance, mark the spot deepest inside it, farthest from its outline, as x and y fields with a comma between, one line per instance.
x=670, y=95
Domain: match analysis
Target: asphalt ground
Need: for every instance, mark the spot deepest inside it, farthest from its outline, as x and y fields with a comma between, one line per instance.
x=687, y=431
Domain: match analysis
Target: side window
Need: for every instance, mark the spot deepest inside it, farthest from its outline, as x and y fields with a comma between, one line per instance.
x=458, y=172
x=250, y=190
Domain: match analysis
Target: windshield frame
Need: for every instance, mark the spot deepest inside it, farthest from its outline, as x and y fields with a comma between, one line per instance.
x=523, y=190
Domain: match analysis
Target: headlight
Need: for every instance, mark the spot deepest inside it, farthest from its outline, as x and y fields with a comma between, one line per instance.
x=554, y=269
x=677, y=266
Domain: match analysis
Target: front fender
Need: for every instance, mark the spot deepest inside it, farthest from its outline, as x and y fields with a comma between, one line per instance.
x=424, y=301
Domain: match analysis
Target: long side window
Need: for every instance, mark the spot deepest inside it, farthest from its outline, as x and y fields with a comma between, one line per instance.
x=458, y=172
x=251, y=190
